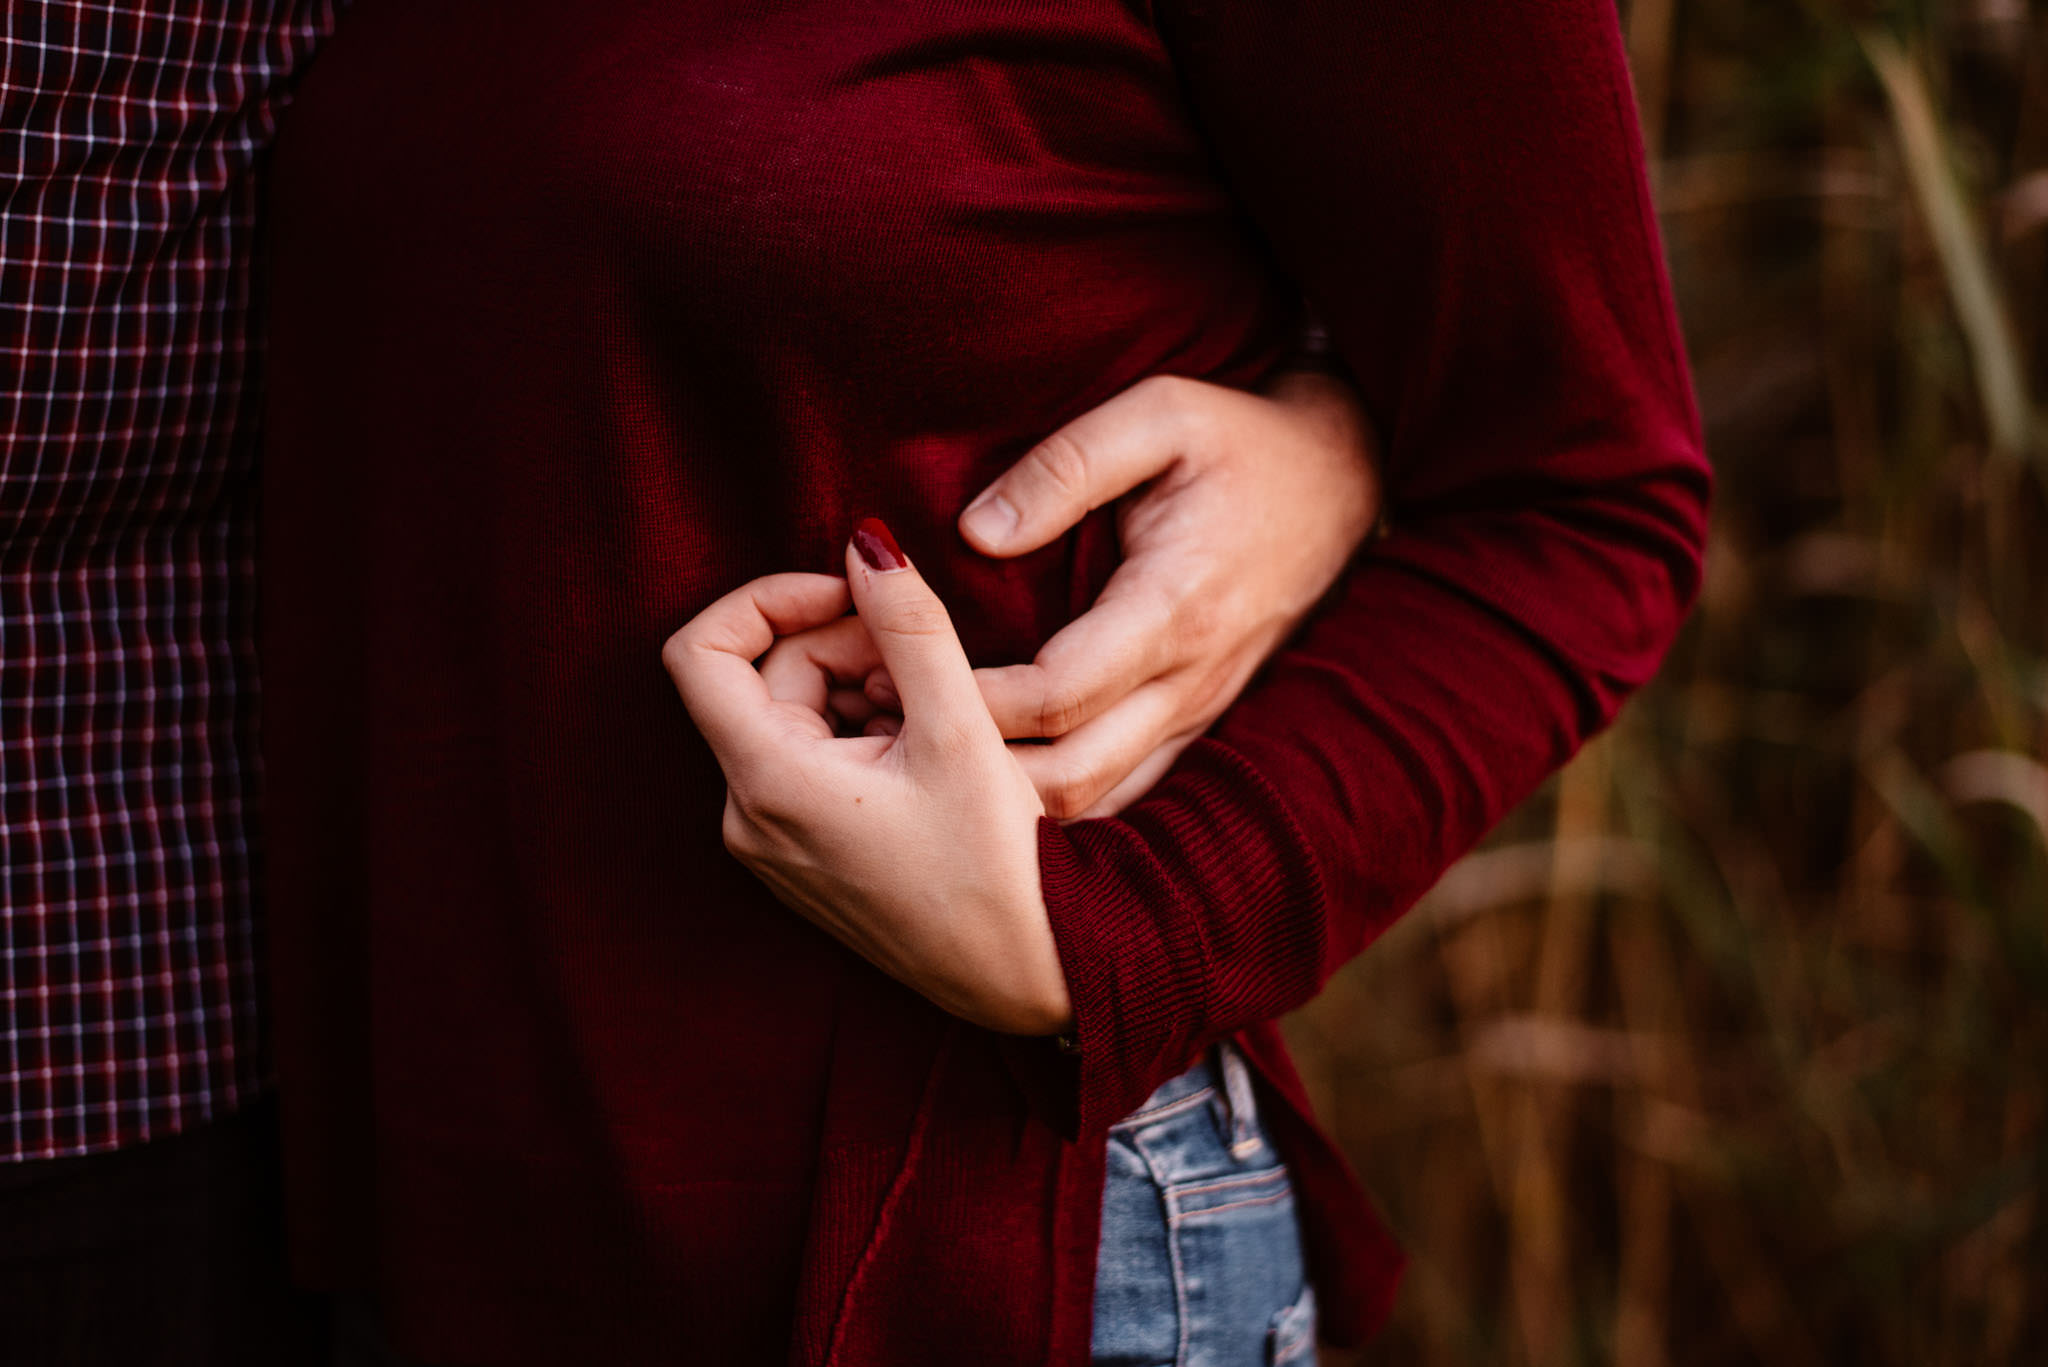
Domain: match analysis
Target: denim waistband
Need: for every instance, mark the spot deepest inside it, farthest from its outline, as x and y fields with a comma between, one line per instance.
x=1200, y=1075
x=1223, y=1071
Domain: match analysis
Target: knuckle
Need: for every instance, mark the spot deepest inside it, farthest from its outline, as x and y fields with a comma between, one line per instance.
x=1068, y=791
x=926, y=617
x=1184, y=407
x=781, y=797
x=1195, y=620
x=1166, y=388
x=1171, y=391
x=675, y=653
x=1062, y=707
x=1064, y=466
x=736, y=831
x=765, y=821
x=761, y=792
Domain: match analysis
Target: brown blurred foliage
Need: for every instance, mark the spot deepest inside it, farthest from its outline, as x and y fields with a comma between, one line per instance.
x=1732, y=1046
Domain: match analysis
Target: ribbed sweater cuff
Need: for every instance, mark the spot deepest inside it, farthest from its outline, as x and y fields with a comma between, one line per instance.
x=1145, y=912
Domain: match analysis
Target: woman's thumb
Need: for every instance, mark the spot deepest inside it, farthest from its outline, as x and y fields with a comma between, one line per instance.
x=912, y=632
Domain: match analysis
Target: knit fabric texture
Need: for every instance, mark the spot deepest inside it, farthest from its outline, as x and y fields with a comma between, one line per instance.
x=583, y=315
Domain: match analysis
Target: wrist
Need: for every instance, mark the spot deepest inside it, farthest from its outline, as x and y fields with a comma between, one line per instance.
x=1018, y=985
x=1033, y=997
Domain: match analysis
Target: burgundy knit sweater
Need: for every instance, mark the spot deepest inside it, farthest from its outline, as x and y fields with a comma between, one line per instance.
x=584, y=314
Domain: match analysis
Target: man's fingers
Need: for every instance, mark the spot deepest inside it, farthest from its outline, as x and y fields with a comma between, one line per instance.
x=1099, y=658
x=711, y=659
x=912, y=634
x=1140, y=780
x=1076, y=772
x=1099, y=456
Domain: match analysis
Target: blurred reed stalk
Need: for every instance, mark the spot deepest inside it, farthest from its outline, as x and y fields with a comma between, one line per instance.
x=1732, y=1045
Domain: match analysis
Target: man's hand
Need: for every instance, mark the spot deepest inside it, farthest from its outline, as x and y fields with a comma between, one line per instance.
x=917, y=850
x=1251, y=506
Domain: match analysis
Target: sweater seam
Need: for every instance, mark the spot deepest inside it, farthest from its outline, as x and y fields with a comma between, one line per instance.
x=913, y=1152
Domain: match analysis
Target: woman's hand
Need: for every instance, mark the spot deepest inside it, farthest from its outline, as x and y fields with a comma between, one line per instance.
x=917, y=850
x=1254, y=505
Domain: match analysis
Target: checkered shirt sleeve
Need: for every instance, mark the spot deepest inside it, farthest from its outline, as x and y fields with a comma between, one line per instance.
x=130, y=137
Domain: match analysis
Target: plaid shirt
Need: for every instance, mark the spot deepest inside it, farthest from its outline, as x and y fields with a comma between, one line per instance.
x=130, y=135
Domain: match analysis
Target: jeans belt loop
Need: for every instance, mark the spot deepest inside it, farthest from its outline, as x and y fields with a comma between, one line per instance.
x=1237, y=1095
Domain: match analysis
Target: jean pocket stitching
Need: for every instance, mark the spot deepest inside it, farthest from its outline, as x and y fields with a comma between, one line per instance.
x=1209, y=1185
x=1183, y=1215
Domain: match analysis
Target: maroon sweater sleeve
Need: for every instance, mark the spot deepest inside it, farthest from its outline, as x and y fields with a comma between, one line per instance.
x=1458, y=188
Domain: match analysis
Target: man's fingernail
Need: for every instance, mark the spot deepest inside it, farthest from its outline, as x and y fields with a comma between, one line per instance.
x=992, y=518
x=877, y=548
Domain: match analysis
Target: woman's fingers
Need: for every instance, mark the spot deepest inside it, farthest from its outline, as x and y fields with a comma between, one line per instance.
x=813, y=666
x=711, y=658
x=914, y=636
x=1099, y=456
x=1075, y=773
x=881, y=691
x=918, y=851
x=848, y=710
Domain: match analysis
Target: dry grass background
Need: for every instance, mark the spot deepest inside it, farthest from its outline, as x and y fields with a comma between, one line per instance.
x=1732, y=1046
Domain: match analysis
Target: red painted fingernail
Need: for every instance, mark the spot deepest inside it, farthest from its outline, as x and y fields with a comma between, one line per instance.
x=877, y=547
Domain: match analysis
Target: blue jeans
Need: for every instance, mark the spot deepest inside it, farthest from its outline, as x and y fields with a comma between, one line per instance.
x=1201, y=1261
